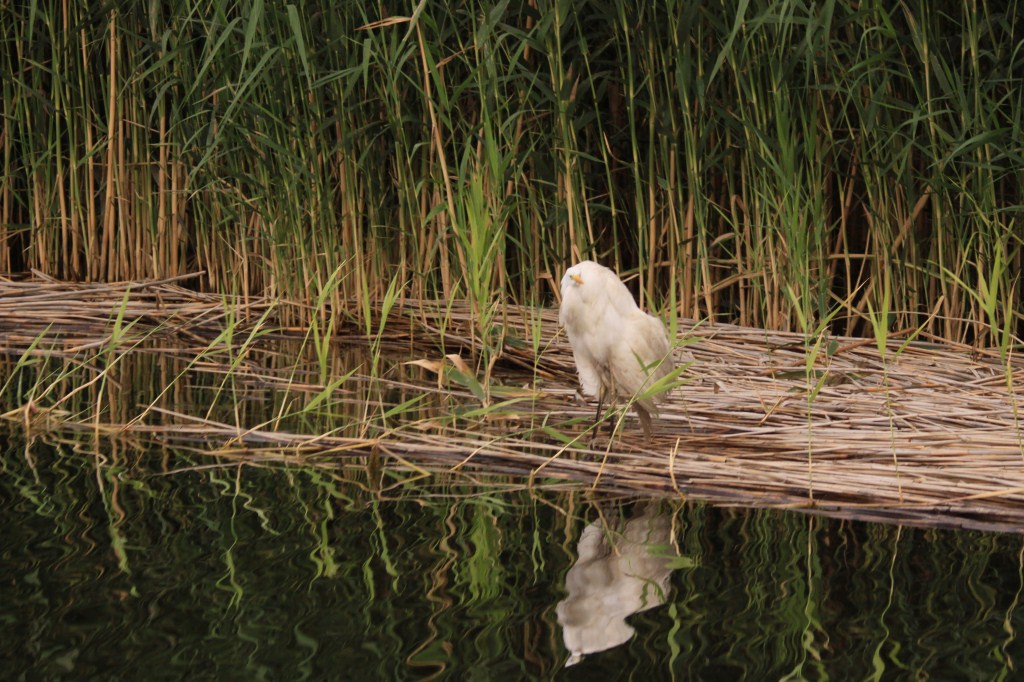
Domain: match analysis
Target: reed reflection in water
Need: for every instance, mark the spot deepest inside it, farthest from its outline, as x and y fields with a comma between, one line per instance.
x=120, y=562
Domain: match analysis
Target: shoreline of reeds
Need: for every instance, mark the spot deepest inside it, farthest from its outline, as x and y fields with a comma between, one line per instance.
x=906, y=430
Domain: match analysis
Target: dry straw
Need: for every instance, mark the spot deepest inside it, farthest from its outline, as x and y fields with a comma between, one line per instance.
x=930, y=436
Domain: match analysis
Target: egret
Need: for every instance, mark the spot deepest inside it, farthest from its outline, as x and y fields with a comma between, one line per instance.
x=619, y=350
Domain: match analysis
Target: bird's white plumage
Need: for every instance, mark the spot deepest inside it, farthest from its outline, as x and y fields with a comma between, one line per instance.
x=619, y=349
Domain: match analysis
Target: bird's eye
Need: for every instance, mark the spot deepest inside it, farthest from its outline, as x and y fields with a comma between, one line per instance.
x=576, y=278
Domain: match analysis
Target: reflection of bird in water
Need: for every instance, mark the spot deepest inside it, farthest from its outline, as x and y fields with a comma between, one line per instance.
x=619, y=349
x=615, y=576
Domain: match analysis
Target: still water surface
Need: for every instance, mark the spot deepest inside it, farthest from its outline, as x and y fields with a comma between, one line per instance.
x=118, y=570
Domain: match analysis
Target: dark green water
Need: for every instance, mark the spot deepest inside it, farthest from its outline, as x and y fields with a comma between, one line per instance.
x=116, y=570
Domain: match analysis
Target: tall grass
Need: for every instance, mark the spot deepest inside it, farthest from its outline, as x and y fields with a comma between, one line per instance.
x=760, y=163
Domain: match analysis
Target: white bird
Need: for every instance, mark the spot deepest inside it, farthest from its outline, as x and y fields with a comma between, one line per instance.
x=619, y=349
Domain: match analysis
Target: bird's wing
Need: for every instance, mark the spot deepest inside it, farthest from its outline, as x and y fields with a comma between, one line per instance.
x=657, y=349
x=642, y=356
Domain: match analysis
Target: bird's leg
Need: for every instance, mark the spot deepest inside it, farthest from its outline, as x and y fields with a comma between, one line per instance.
x=600, y=405
x=608, y=390
x=645, y=420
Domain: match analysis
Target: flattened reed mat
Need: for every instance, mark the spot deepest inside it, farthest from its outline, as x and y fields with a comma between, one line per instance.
x=931, y=435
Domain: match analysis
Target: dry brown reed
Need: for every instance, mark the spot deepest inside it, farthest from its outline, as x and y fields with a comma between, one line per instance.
x=81, y=315
x=930, y=436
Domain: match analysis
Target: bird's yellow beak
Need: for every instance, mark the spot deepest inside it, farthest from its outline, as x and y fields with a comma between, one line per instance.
x=576, y=278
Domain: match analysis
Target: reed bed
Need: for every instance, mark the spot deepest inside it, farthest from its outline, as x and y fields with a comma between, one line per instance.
x=926, y=433
x=761, y=163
